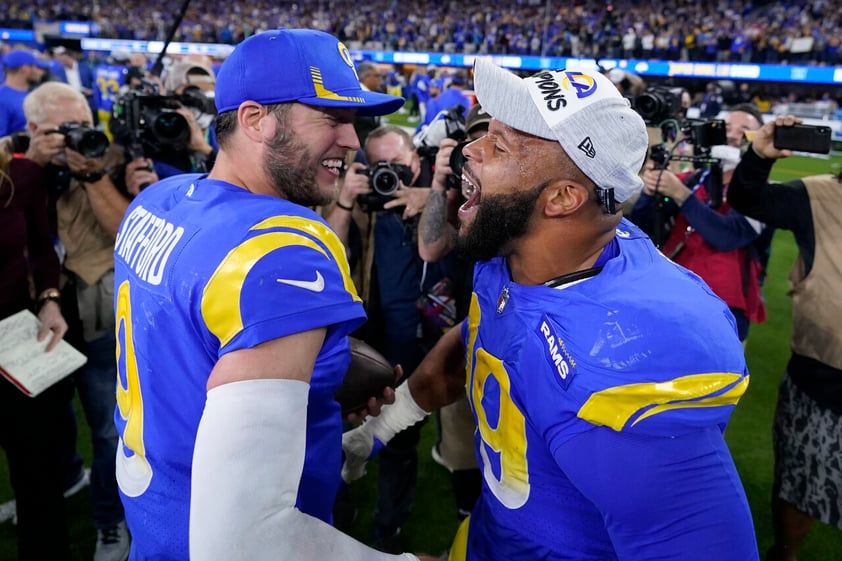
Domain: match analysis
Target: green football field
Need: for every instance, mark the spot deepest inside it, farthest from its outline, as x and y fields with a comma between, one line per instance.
x=433, y=522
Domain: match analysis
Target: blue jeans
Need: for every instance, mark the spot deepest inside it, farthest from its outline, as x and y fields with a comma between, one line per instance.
x=96, y=383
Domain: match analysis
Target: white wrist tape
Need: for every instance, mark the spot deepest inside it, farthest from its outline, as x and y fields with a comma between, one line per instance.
x=247, y=464
x=363, y=442
x=394, y=418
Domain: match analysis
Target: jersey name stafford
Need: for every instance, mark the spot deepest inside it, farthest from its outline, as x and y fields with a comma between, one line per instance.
x=556, y=353
x=145, y=243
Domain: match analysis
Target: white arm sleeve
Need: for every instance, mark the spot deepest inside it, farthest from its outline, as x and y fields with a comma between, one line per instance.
x=247, y=464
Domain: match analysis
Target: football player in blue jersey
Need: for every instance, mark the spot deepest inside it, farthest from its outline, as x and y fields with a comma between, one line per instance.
x=233, y=303
x=601, y=375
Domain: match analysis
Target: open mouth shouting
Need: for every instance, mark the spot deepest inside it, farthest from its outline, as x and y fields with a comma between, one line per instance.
x=472, y=191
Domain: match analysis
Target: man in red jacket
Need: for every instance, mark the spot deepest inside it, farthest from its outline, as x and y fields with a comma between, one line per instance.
x=707, y=236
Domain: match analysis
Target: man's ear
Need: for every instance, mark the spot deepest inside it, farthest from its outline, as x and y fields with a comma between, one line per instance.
x=250, y=116
x=565, y=197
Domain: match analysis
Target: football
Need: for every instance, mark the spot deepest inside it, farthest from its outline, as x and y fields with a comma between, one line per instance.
x=368, y=375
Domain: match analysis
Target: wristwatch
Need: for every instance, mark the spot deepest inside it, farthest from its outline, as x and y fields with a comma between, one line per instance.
x=49, y=294
x=90, y=176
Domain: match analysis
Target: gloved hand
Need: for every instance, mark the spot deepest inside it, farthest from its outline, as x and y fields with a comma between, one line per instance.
x=359, y=445
x=362, y=443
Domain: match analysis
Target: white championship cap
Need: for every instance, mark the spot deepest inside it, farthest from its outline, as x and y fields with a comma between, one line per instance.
x=581, y=109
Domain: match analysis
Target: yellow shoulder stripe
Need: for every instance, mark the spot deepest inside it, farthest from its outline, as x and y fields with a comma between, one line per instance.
x=614, y=407
x=322, y=233
x=221, y=298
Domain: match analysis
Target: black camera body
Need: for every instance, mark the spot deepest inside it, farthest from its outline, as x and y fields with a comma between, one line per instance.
x=451, y=125
x=457, y=160
x=147, y=122
x=384, y=179
x=88, y=141
x=704, y=134
x=656, y=104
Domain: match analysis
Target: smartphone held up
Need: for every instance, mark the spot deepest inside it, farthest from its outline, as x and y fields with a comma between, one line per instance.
x=814, y=139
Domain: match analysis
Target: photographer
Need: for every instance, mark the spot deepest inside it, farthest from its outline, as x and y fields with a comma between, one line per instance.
x=807, y=429
x=175, y=130
x=436, y=239
x=89, y=204
x=398, y=278
x=705, y=234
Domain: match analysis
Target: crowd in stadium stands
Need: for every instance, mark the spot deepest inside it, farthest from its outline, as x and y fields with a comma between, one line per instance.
x=698, y=30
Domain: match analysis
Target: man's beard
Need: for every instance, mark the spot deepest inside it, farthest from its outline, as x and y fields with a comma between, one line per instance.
x=288, y=165
x=500, y=219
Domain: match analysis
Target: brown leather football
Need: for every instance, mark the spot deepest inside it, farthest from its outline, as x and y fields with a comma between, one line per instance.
x=368, y=375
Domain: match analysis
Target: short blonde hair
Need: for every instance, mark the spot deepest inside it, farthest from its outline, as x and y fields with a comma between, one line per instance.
x=47, y=96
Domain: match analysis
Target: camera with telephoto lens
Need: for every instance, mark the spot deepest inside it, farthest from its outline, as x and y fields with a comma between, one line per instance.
x=384, y=179
x=657, y=104
x=89, y=142
x=147, y=123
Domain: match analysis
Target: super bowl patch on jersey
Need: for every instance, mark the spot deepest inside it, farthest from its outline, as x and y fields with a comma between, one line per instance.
x=556, y=352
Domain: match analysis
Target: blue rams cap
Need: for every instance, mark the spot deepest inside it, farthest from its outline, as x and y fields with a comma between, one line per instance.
x=20, y=57
x=303, y=65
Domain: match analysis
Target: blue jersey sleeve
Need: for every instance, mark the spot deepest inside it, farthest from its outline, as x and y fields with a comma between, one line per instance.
x=283, y=279
x=618, y=371
x=663, y=498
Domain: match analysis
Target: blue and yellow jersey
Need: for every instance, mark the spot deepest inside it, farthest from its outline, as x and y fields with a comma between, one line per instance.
x=108, y=79
x=600, y=408
x=203, y=268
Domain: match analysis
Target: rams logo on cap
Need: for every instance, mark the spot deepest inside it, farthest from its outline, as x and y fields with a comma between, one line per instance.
x=345, y=54
x=554, y=87
x=583, y=84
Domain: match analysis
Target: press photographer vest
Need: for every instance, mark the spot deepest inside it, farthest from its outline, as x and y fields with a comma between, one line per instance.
x=733, y=275
x=816, y=306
